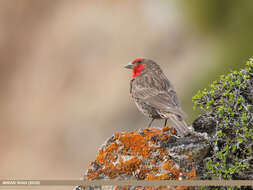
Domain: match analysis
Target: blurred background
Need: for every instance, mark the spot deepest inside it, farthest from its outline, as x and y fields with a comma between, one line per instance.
x=63, y=87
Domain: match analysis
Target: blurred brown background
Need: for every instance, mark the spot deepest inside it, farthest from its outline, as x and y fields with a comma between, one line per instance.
x=64, y=90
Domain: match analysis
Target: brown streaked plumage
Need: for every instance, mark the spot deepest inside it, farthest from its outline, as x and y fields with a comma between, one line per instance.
x=154, y=95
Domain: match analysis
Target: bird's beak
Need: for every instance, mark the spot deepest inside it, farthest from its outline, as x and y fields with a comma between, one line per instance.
x=129, y=65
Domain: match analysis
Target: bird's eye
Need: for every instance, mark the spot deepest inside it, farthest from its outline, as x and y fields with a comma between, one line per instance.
x=140, y=61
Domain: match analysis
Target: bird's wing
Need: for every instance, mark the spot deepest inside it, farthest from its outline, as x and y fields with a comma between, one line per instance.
x=167, y=102
x=156, y=91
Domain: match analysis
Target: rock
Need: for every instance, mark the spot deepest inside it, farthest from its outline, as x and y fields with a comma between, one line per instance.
x=205, y=123
x=149, y=154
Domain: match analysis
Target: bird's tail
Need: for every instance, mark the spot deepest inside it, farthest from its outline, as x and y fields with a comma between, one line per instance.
x=180, y=125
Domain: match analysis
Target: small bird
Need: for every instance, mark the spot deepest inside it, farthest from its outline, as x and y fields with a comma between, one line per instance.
x=154, y=95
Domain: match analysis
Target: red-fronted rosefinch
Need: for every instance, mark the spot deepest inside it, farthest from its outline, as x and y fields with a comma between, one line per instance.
x=154, y=95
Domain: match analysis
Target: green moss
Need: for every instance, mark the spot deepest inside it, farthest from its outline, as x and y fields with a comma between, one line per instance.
x=230, y=100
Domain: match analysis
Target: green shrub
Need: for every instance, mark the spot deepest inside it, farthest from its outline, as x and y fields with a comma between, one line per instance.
x=230, y=101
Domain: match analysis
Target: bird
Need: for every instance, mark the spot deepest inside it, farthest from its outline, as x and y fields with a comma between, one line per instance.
x=154, y=94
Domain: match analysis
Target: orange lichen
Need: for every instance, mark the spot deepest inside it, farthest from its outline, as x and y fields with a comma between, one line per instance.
x=153, y=161
x=165, y=128
x=101, y=156
x=192, y=174
x=162, y=153
x=157, y=177
x=111, y=171
x=129, y=166
x=168, y=165
x=175, y=172
x=122, y=187
x=155, y=170
x=135, y=143
x=171, y=129
x=107, y=153
x=143, y=172
x=112, y=147
x=93, y=174
x=151, y=177
x=165, y=137
x=90, y=164
x=165, y=176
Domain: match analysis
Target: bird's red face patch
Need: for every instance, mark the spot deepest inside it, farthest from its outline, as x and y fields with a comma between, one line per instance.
x=139, y=66
x=138, y=69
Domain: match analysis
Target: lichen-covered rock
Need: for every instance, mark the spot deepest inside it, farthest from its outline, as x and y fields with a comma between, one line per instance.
x=149, y=154
x=205, y=123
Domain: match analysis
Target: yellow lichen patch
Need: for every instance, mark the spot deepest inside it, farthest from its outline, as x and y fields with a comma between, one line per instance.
x=168, y=165
x=135, y=143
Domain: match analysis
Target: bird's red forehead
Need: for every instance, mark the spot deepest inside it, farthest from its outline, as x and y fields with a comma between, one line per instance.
x=138, y=59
